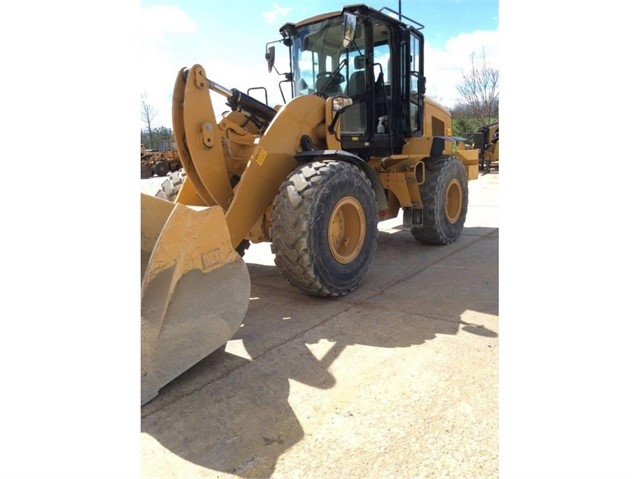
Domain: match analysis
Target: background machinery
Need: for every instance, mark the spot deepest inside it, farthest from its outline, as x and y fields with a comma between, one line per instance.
x=161, y=161
x=358, y=142
x=487, y=141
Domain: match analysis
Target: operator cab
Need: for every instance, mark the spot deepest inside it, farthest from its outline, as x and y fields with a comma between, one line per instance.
x=370, y=57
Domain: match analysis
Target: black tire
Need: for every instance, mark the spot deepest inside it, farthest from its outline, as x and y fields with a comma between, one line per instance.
x=145, y=172
x=445, y=201
x=318, y=201
x=161, y=168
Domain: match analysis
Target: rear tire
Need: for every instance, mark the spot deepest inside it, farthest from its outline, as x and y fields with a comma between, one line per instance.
x=445, y=202
x=324, y=228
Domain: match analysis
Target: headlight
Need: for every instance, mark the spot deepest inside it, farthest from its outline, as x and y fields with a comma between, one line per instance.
x=341, y=103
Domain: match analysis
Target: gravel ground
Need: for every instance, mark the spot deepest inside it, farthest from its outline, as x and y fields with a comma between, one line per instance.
x=398, y=379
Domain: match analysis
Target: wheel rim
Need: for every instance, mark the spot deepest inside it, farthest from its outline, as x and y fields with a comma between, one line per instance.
x=346, y=230
x=453, y=201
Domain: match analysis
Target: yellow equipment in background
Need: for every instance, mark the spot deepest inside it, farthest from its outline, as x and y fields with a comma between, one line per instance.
x=487, y=141
x=359, y=142
x=161, y=161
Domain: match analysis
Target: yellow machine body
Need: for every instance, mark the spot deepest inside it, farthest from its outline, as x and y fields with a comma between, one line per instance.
x=213, y=153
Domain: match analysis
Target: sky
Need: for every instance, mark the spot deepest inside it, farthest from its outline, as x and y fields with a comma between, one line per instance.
x=228, y=39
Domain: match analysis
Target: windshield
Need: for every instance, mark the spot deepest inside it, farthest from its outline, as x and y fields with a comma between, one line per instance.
x=316, y=54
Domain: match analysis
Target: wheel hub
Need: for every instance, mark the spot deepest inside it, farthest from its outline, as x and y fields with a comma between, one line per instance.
x=346, y=230
x=454, y=198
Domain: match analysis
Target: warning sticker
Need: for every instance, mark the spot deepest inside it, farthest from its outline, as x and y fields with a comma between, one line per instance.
x=260, y=156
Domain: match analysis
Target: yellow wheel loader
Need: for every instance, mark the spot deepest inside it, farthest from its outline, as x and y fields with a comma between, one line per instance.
x=358, y=142
x=161, y=161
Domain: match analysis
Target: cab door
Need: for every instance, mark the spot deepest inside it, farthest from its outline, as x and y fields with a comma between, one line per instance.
x=413, y=85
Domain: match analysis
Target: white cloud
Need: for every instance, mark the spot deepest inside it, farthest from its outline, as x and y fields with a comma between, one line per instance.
x=444, y=67
x=158, y=20
x=159, y=64
x=277, y=12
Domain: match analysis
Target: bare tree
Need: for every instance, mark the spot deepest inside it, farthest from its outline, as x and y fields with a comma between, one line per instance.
x=479, y=89
x=148, y=113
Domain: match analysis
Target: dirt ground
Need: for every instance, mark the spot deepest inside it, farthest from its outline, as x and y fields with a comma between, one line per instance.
x=396, y=380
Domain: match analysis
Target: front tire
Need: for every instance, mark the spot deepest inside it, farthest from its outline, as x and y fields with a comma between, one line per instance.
x=445, y=202
x=324, y=228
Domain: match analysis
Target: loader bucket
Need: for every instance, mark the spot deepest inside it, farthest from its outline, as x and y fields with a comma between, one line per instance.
x=195, y=289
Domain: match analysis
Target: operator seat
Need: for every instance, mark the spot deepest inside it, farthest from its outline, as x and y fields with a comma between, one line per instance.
x=354, y=119
x=329, y=86
x=357, y=83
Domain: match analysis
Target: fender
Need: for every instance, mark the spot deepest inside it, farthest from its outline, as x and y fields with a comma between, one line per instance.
x=341, y=155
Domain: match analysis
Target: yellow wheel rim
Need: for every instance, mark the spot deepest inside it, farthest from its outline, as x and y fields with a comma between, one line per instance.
x=346, y=230
x=453, y=200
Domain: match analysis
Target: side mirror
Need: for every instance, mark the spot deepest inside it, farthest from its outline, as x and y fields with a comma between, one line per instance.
x=270, y=58
x=348, y=28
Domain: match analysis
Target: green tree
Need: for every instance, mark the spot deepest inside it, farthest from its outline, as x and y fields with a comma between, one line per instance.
x=464, y=122
x=151, y=140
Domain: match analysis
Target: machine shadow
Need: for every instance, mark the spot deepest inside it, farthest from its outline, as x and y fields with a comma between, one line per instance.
x=232, y=414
